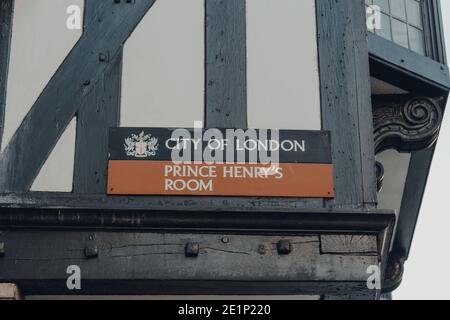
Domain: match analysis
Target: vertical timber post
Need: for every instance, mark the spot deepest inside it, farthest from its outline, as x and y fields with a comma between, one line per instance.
x=6, y=18
x=94, y=120
x=346, y=104
x=225, y=51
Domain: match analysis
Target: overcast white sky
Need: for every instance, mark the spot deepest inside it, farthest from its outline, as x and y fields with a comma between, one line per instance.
x=427, y=270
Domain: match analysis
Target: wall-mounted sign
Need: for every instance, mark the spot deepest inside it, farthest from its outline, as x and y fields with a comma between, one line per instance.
x=220, y=162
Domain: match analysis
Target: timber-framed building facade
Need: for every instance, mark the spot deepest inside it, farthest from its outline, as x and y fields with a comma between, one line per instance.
x=285, y=64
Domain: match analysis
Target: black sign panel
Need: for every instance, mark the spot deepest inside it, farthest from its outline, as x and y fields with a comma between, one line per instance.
x=292, y=146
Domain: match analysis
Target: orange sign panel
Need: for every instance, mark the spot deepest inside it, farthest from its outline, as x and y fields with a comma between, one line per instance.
x=166, y=178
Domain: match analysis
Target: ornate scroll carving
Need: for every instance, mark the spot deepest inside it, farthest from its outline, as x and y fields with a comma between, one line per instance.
x=405, y=123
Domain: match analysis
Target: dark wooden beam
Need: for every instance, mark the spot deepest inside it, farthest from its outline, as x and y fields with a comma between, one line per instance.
x=355, y=295
x=91, y=10
x=93, y=122
x=41, y=244
x=434, y=31
x=63, y=200
x=412, y=65
x=226, y=64
x=67, y=92
x=346, y=105
x=336, y=290
x=171, y=219
x=6, y=19
x=415, y=185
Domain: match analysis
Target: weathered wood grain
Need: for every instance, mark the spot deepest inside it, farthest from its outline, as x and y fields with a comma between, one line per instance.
x=237, y=260
x=226, y=79
x=346, y=106
x=349, y=244
x=93, y=122
x=41, y=255
x=6, y=18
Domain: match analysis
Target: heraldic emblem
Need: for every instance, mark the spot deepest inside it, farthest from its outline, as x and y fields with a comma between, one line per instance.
x=141, y=146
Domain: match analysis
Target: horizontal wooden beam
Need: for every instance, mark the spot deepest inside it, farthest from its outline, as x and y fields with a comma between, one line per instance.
x=374, y=222
x=193, y=252
x=175, y=203
x=203, y=288
x=158, y=263
x=411, y=64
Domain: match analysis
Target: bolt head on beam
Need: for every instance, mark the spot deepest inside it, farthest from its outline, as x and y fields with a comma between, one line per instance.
x=284, y=247
x=192, y=250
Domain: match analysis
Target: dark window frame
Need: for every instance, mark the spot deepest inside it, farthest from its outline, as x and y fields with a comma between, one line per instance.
x=390, y=14
x=432, y=29
x=398, y=65
x=434, y=36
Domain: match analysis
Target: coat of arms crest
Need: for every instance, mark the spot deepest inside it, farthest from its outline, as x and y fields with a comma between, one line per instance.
x=141, y=146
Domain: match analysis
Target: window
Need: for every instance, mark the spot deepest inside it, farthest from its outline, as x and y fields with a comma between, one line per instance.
x=401, y=21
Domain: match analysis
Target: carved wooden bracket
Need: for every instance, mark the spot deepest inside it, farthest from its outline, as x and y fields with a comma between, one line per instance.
x=405, y=123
